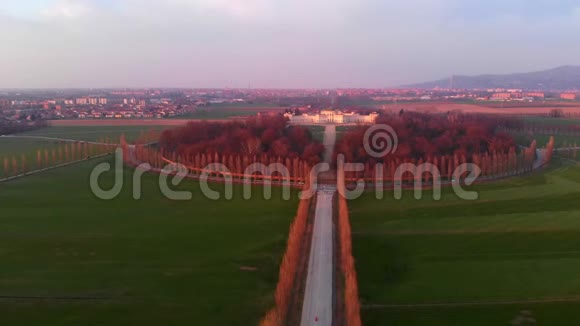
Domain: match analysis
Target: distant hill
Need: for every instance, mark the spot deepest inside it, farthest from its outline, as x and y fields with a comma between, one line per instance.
x=561, y=78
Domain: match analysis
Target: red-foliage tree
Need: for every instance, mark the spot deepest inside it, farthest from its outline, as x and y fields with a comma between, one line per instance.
x=269, y=135
x=421, y=136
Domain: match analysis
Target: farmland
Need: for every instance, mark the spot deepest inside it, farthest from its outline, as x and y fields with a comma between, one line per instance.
x=525, y=139
x=225, y=111
x=435, y=107
x=94, y=133
x=27, y=149
x=472, y=263
x=556, y=122
x=71, y=258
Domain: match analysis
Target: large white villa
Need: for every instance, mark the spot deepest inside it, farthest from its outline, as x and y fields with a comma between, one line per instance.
x=332, y=116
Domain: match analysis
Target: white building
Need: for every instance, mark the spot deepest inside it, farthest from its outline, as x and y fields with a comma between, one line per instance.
x=332, y=116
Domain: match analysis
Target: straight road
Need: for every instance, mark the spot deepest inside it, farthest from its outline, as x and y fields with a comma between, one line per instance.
x=317, y=305
x=329, y=140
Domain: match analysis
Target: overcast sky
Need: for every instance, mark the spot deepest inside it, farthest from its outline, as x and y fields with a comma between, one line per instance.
x=278, y=43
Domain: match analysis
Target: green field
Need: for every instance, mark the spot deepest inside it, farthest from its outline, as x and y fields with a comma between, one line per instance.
x=483, y=262
x=317, y=133
x=560, y=140
x=523, y=138
x=556, y=122
x=90, y=133
x=229, y=110
x=18, y=146
x=68, y=258
x=27, y=147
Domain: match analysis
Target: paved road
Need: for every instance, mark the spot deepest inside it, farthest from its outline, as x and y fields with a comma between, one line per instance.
x=540, y=159
x=329, y=140
x=317, y=305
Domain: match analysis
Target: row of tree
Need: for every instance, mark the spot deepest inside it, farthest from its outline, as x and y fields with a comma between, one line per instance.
x=271, y=135
x=347, y=266
x=62, y=153
x=569, y=151
x=289, y=266
x=12, y=127
x=238, y=166
x=495, y=164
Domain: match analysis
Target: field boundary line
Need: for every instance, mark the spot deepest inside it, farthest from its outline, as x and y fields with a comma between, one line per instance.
x=56, y=139
x=51, y=168
x=459, y=232
x=474, y=303
x=56, y=298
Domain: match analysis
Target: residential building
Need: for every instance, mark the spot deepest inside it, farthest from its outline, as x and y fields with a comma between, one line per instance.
x=568, y=96
x=333, y=117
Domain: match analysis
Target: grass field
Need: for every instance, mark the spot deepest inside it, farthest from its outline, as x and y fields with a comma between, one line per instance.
x=86, y=133
x=68, y=258
x=17, y=147
x=519, y=242
x=229, y=110
x=560, y=140
x=317, y=132
x=556, y=122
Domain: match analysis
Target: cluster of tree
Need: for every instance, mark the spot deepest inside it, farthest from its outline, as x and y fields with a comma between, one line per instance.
x=269, y=135
x=424, y=135
x=556, y=113
x=12, y=127
x=289, y=268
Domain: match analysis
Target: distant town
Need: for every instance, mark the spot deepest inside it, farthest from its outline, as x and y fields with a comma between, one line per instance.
x=18, y=107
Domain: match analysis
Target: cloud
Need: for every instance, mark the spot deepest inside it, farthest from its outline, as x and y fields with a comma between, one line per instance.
x=276, y=43
x=68, y=9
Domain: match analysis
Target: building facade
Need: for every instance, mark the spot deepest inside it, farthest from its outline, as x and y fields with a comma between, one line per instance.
x=568, y=96
x=332, y=117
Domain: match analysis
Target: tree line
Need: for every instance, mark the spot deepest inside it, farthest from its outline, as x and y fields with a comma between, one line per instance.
x=269, y=135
